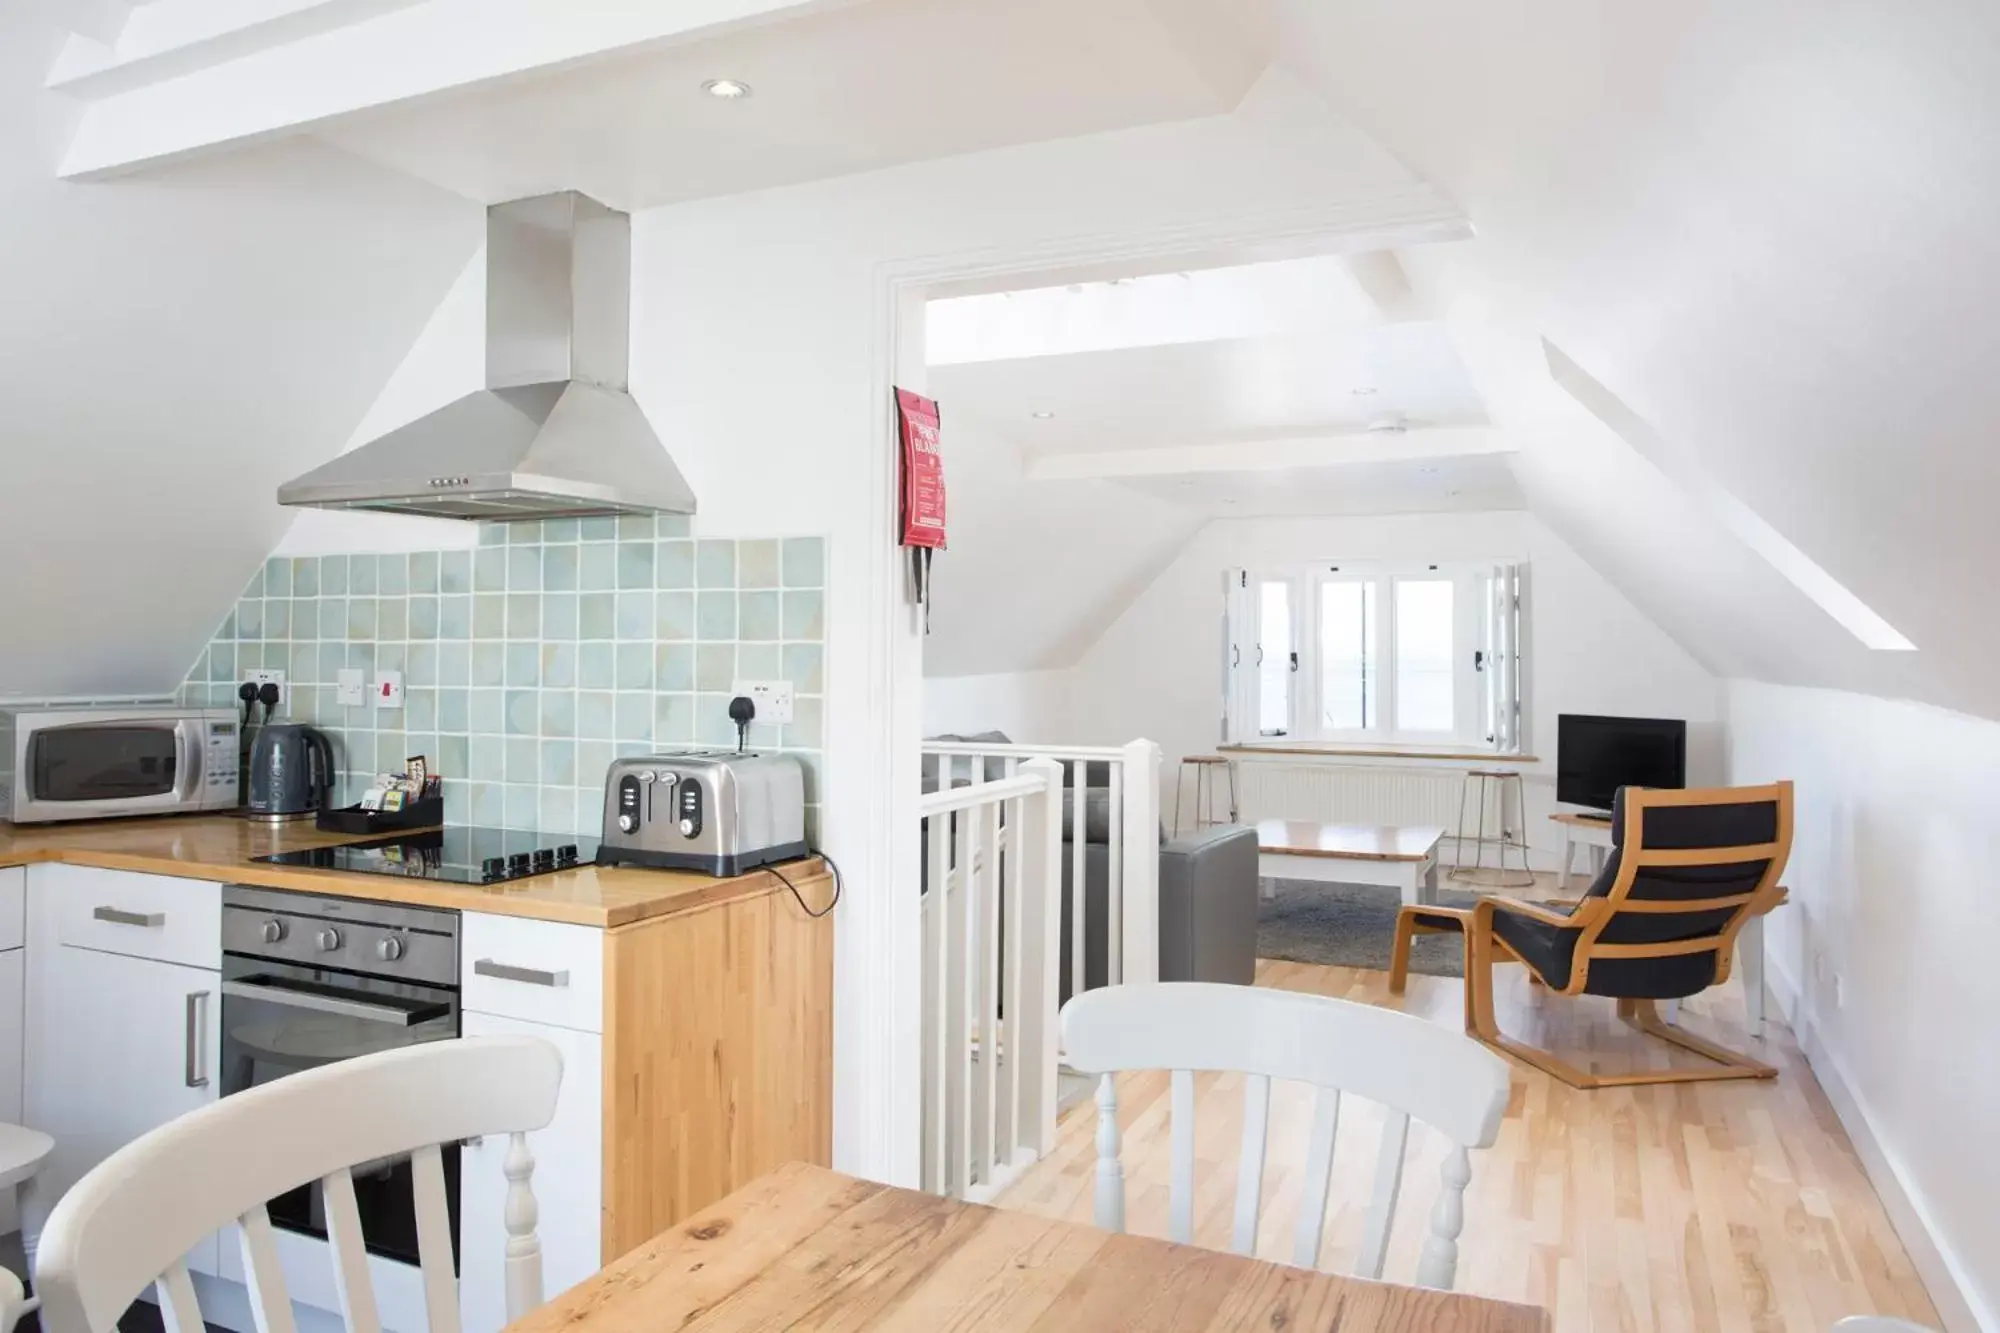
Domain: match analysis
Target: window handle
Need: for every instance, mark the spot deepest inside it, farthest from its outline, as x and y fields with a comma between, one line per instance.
x=1295, y=663
x=1479, y=659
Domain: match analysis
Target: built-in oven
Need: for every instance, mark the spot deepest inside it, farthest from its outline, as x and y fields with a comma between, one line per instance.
x=308, y=980
x=96, y=763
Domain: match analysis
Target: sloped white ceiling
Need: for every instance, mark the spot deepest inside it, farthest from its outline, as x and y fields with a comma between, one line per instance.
x=1767, y=232
x=173, y=348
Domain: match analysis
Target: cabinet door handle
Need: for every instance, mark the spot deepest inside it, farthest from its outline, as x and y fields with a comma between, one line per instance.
x=197, y=1063
x=118, y=916
x=534, y=976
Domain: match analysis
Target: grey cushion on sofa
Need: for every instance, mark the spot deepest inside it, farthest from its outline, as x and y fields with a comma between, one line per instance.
x=1208, y=907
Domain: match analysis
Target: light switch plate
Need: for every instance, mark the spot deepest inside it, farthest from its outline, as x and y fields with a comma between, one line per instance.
x=258, y=677
x=772, y=697
x=350, y=687
x=388, y=689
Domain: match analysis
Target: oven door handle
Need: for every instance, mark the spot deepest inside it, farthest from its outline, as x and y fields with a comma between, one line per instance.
x=325, y=1004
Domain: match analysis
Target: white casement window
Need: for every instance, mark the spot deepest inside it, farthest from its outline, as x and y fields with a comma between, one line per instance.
x=1418, y=654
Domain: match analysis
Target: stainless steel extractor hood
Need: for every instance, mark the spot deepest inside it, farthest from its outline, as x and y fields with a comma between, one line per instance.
x=554, y=434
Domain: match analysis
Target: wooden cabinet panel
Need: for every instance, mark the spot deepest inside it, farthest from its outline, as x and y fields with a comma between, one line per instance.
x=719, y=1044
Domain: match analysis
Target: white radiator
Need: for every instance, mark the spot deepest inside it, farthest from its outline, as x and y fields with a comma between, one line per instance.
x=1365, y=794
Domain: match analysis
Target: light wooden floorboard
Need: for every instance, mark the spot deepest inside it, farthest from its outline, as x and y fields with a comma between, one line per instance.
x=1691, y=1208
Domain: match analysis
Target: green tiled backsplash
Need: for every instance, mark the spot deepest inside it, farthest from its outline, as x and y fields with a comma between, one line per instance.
x=534, y=659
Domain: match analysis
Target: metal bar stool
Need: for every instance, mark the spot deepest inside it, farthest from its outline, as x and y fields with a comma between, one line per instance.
x=1204, y=793
x=1477, y=784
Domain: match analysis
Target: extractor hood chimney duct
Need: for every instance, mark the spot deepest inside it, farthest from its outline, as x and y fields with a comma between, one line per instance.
x=554, y=434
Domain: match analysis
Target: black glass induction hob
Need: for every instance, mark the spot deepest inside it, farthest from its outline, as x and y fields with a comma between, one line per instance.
x=452, y=855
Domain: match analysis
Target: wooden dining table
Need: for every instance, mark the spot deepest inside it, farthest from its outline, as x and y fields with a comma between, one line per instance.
x=808, y=1247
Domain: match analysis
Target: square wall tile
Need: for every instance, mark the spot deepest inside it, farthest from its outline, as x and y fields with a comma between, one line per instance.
x=805, y=562
x=597, y=666
x=673, y=564
x=673, y=666
x=635, y=564
x=715, y=564
x=757, y=615
x=454, y=572
x=423, y=572
x=757, y=564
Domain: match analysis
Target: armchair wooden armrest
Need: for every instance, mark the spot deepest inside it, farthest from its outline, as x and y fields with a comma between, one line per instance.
x=1488, y=903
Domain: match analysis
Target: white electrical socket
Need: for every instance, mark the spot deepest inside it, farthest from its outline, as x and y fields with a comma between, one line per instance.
x=388, y=689
x=350, y=687
x=772, y=697
x=277, y=678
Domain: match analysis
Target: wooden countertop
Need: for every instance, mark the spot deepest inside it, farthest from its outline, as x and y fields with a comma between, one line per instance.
x=220, y=847
x=804, y=1245
x=1349, y=842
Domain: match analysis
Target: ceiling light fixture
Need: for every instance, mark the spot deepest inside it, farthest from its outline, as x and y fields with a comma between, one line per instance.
x=729, y=90
x=1042, y=416
x=1363, y=392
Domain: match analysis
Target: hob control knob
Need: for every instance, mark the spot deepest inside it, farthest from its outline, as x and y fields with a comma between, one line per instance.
x=272, y=931
x=329, y=940
x=389, y=949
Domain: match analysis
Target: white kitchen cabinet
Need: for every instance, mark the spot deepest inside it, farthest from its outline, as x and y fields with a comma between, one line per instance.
x=122, y=1045
x=569, y=1171
x=537, y=971
x=13, y=907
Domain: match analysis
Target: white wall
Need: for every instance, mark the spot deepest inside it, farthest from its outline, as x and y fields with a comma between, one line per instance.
x=174, y=347
x=760, y=328
x=1032, y=707
x=1153, y=673
x=1885, y=955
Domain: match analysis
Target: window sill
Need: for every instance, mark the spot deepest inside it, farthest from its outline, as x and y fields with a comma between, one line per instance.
x=1365, y=750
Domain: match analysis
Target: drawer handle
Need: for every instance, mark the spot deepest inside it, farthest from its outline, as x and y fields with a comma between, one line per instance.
x=534, y=976
x=118, y=916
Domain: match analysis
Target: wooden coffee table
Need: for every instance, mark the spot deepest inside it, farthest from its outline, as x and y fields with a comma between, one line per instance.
x=1401, y=856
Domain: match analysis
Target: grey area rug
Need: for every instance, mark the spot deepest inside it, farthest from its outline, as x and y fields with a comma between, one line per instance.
x=1351, y=925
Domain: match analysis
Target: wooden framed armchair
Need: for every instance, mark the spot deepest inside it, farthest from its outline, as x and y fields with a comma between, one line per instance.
x=1687, y=869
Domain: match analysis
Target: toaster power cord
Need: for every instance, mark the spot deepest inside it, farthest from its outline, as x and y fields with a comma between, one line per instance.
x=832, y=865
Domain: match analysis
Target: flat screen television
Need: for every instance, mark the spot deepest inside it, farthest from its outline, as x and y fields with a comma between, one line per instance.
x=1595, y=756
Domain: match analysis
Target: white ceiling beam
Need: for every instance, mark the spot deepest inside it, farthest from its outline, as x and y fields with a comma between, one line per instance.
x=171, y=38
x=1750, y=528
x=408, y=52
x=1270, y=455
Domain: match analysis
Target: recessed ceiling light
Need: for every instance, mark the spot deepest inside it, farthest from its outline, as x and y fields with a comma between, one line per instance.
x=1428, y=471
x=1042, y=416
x=1363, y=392
x=727, y=89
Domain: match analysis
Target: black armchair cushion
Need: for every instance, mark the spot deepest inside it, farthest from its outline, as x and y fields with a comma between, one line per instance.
x=1551, y=949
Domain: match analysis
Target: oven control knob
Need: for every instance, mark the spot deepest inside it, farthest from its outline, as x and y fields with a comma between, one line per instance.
x=628, y=822
x=329, y=940
x=389, y=949
x=272, y=931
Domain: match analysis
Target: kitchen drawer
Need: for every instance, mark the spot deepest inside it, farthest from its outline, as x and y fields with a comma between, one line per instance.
x=13, y=907
x=539, y=971
x=142, y=916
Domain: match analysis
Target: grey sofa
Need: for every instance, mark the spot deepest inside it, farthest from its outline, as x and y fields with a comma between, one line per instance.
x=1208, y=885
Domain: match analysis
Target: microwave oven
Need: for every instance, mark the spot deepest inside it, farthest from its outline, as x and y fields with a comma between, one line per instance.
x=101, y=763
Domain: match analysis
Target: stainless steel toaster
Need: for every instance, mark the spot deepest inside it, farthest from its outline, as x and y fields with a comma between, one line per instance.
x=721, y=811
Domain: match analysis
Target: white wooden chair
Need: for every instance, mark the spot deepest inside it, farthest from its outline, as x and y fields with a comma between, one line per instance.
x=22, y=1151
x=1411, y=1067
x=132, y=1218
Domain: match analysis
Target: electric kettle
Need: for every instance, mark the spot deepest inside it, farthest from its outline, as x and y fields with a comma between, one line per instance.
x=291, y=773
